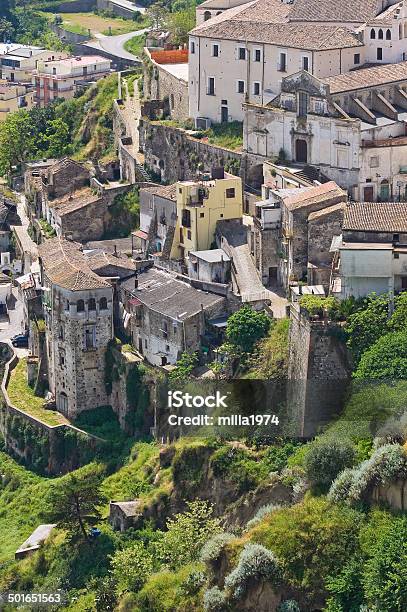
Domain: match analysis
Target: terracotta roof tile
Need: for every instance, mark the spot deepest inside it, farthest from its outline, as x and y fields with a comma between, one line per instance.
x=71, y=202
x=376, y=217
x=312, y=195
x=347, y=11
x=367, y=77
x=66, y=265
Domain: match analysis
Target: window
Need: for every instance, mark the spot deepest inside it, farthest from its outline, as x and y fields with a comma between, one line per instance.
x=374, y=162
x=388, y=34
x=256, y=88
x=302, y=104
x=103, y=303
x=356, y=58
x=211, y=86
x=282, y=64
x=257, y=55
x=165, y=329
x=192, y=47
x=63, y=403
x=380, y=34
x=186, y=218
x=207, y=15
x=240, y=87
x=90, y=336
x=61, y=334
x=61, y=357
x=379, y=53
x=92, y=304
x=80, y=306
x=372, y=33
x=396, y=255
x=202, y=215
x=215, y=50
x=241, y=53
x=189, y=234
x=230, y=193
x=396, y=237
x=305, y=63
x=145, y=343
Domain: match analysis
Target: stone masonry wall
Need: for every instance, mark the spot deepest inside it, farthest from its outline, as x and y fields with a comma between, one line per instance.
x=318, y=371
x=159, y=84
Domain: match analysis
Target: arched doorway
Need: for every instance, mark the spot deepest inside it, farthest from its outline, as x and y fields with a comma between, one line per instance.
x=207, y=15
x=384, y=191
x=301, y=151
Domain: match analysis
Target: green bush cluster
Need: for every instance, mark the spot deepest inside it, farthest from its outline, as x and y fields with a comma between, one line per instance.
x=255, y=563
x=385, y=465
x=325, y=459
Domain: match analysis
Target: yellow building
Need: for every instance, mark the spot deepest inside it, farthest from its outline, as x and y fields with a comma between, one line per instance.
x=13, y=97
x=200, y=205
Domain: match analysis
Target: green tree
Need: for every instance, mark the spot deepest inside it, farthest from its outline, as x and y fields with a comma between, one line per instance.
x=187, y=533
x=58, y=139
x=385, y=572
x=16, y=141
x=73, y=503
x=245, y=327
x=180, y=23
x=398, y=320
x=183, y=369
x=158, y=15
x=131, y=567
x=326, y=458
x=386, y=358
x=365, y=326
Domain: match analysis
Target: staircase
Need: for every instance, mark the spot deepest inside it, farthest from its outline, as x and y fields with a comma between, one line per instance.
x=311, y=174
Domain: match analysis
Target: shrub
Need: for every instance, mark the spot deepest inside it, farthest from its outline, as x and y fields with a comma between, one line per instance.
x=187, y=533
x=326, y=459
x=260, y=514
x=245, y=327
x=316, y=304
x=255, y=563
x=386, y=358
x=193, y=583
x=289, y=605
x=214, y=546
x=131, y=567
x=386, y=464
x=215, y=600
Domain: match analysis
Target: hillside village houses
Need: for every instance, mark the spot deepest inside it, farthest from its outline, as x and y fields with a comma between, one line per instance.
x=242, y=54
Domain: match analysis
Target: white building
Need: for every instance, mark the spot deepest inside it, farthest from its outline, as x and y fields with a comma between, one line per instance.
x=60, y=79
x=351, y=127
x=242, y=54
x=19, y=61
x=373, y=249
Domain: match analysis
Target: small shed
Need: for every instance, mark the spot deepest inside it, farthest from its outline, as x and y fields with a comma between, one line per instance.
x=34, y=542
x=124, y=514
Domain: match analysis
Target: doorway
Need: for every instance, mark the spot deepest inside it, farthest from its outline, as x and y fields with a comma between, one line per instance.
x=224, y=114
x=368, y=194
x=301, y=151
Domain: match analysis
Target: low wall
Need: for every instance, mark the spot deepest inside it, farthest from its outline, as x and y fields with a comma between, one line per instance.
x=48, y=449
x=175, y=155
x=67, y=36
x=75, y=6
x=393, y=494
x=117, y=9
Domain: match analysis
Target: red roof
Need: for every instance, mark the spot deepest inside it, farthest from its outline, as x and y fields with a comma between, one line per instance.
x=141, y=234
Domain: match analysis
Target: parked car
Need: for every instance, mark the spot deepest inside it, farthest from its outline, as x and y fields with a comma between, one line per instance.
x=20, y=340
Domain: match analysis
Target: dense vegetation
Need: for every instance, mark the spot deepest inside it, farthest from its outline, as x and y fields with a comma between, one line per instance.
x=81, y=127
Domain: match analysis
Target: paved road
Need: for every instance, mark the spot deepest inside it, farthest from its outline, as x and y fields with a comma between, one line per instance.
x=129, y=5
x=115, y=44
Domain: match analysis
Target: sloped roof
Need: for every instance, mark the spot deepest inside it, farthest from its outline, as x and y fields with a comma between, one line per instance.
x=164, y=191
x=99, y=260
x=66, y=265
x=165, y=294
x=366, y=77
x=267, y=21
x=312, y=195
x=347, y=11
x=376, y=217
x=71, y=202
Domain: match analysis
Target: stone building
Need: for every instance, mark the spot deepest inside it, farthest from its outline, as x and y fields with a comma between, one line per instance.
x=167, y=316
x=165, y=83
x=373, y=248
x=124, y=514
x=158, y=215
x=78, y=312
x=211, y=266
x=351, y=127
x=323, y=226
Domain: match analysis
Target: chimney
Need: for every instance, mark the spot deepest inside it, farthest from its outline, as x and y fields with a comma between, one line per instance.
x=136, y=281
x=115, y=250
